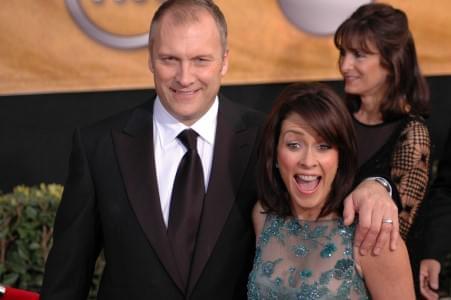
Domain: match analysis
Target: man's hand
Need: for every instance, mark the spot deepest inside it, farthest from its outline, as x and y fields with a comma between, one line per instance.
x=373, y=204
x=429, y=272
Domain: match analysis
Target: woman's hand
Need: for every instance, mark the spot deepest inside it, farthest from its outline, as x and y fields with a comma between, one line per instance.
x=429, y=274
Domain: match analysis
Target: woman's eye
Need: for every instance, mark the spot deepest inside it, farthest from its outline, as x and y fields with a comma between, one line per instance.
x=360, y=54
x=324, y=147
x=293, y=145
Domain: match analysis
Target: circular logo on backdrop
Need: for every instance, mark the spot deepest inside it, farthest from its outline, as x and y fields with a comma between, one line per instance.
x=319, y=17
x=122, y=24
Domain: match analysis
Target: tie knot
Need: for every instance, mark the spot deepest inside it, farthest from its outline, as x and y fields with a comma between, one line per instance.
x=189, y=139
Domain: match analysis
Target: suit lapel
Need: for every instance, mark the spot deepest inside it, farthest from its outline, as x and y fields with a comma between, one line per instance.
x=135, y=152
x=233, y=145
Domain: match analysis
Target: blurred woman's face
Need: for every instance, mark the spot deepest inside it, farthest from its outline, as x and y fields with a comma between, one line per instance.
x=307, y=165
x=362, y=71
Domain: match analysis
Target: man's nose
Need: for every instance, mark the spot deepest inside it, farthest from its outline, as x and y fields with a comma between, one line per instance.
x=185, y=74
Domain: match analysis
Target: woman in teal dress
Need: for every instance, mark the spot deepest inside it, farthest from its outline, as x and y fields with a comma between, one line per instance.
x=304, y=251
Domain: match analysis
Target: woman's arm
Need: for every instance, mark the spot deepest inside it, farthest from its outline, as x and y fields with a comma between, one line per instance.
x=410, y=171
x=388, y=275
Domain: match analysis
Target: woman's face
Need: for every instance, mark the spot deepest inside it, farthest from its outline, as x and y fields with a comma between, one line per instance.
x=307, y=165
x=362, y=71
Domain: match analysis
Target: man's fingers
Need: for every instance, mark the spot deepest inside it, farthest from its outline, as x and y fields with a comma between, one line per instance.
x=389, y=229
x=385, y=218
x=382, y=238
x=359, y=236
x=362, y=232
x=374, y=236
x=349, y=211
x=394, y=234
x=370, y=239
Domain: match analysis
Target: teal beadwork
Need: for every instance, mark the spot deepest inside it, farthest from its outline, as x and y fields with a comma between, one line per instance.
x=300, y=250
x=298, y=259
x=306, y=273
x=268, y=267
x=328, y=250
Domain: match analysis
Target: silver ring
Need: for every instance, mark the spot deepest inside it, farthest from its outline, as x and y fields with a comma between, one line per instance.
x=387, y=221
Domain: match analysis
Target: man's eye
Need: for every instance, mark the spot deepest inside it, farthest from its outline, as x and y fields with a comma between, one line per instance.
x=201, y=60
x=168, y=59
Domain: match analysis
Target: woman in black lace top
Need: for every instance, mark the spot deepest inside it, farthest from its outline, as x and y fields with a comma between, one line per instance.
x=389, y=98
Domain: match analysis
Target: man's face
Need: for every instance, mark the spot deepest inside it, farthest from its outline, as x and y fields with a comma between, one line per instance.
x=188, y=62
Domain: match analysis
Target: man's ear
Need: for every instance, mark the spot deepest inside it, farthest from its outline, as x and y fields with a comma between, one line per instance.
x=149, y=59
x=225, y=62
x=149, y=62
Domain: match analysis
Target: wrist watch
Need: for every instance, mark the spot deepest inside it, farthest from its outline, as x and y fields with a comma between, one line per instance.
x=384, y=182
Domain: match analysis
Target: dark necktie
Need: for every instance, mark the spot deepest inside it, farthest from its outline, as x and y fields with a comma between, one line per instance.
x=186, y=204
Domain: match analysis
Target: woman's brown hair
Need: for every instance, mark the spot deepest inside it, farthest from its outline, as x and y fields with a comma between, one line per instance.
x=388, y=29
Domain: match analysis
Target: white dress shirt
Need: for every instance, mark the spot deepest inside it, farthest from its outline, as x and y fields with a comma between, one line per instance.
x=169, y=150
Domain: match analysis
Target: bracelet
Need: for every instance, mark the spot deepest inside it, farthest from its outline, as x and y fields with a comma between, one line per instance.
x=384, y=182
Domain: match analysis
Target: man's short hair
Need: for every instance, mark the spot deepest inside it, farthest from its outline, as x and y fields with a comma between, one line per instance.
x=184, y=11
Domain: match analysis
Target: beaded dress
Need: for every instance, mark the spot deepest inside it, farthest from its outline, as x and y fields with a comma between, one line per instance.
x=298, y=259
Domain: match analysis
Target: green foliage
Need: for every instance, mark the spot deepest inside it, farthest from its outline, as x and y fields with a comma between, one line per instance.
x=26, y=224
x=26, y=216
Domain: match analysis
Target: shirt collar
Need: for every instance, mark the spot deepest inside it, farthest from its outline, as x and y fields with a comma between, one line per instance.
x=168, y=127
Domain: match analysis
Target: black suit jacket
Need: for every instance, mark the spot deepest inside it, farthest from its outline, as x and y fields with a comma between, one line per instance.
x=111, y=202
x=438, y=210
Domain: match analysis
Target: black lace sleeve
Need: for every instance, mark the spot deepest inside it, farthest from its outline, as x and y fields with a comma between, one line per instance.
x=410, y=170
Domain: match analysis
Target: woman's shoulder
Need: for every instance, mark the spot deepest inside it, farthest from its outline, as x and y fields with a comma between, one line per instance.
x=415, y=129
x=415, y=120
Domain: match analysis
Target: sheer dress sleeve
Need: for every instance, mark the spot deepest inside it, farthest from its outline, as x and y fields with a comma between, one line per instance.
x=410, y=170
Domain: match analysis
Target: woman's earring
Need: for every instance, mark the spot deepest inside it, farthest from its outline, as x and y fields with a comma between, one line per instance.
x=277, y=165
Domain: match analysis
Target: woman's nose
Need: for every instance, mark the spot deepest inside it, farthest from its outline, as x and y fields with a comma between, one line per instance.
x=307, y=158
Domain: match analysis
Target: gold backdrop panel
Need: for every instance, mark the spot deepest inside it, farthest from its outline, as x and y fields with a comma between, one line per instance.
x=86, y=45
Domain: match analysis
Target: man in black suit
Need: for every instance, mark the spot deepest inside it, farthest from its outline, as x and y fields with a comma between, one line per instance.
x=122, y=172
x=438, y=223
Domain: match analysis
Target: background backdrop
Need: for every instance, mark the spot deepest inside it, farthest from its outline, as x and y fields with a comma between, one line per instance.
x=85, y=45
x=65, y=64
